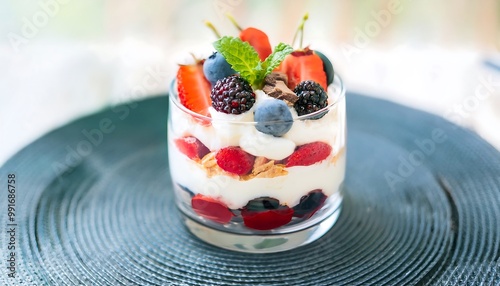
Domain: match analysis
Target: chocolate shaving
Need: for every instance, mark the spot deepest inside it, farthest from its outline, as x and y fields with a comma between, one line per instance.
x=274, y=76
x=276, y=86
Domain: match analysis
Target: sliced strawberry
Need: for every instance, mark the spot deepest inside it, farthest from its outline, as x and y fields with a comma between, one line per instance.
x=303, y=65
x=257, y=39
x=309, y=204
x=235, y=160
x=211, y=209
x=193, y=88
x=309, y=154
x=191, y=147
x=265, y=220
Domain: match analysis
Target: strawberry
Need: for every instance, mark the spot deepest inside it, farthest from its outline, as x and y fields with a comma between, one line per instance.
x=193, y=88
x=235, y=160
x=265, y=213
x=308, y=154
x=255, y=37
x=211, y=209
x=303, y=65
x=269, y=219
x=191, y=147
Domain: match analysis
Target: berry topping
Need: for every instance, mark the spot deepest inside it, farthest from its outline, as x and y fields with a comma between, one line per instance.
x=327, y=67
x=232, y=95
x=312, y=97
x=235, y=160
x=216, y=67
x=211, y=209
x=265, y=213
x=304, y=65
x=309, y=204
x=244, y=59
x=255, y=37
x=191, y=147
x=193, y=88
x=309, y=154
x=273, y=117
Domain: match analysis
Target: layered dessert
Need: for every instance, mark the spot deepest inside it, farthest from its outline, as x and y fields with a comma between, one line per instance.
x=257, y=135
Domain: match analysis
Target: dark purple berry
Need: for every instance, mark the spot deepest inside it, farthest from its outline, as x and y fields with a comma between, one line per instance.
x=309, y=204
x=262, y=204
x=312, y=97
x=232, y=95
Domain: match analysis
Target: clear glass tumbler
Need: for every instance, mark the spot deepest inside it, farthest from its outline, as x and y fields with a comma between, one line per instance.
x=291, y=194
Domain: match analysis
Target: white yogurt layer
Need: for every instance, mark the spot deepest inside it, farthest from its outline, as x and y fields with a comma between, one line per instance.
x=288, y=189
x=238, y=130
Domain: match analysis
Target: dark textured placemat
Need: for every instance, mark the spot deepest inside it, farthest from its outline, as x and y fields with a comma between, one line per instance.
x=100, y=211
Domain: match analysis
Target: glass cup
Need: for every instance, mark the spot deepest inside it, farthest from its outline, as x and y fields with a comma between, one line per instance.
x=286, y=191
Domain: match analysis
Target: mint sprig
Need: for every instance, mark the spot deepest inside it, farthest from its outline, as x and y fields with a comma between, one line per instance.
x=244, y=59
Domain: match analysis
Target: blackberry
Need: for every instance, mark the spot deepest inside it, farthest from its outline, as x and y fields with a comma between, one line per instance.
x=312, y=97
x=309, y=204
x=232, y=95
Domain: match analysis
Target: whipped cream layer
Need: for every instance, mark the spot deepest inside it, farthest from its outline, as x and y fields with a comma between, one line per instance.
x=325, y=175
x=239, y=130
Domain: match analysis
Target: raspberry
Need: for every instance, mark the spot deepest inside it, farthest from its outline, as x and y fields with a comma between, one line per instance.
x=312, y=97
x=232, y=95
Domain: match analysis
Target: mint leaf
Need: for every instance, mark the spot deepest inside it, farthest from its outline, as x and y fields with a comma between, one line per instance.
x=275, y=59
x=244, y=59
x=241, y=56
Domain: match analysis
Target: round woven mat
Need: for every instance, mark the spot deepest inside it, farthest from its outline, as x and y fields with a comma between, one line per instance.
x=422, y=206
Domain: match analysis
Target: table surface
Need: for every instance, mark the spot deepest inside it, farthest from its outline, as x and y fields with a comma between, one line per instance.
x=422, y=198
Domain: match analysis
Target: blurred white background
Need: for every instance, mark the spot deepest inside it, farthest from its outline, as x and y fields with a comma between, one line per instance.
x=62, y=59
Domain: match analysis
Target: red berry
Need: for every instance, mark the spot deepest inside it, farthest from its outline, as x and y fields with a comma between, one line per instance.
x=191, y=147
x=211, y=209
x=309, y=154
x=257, y=39
x=304, y=65
x=193, y=88
x=235, y=160
x=265, y=220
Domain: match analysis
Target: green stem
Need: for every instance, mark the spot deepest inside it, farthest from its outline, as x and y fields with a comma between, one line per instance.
x=212, y=27
x=301, y=30
x=231, y=18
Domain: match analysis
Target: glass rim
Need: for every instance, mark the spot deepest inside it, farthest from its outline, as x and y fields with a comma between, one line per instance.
x=337, y=84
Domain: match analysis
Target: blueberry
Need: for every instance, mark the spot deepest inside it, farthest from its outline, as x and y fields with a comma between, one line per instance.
x=273, y=117
x=263, y=204
x=327, y=67
x=216, y=67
